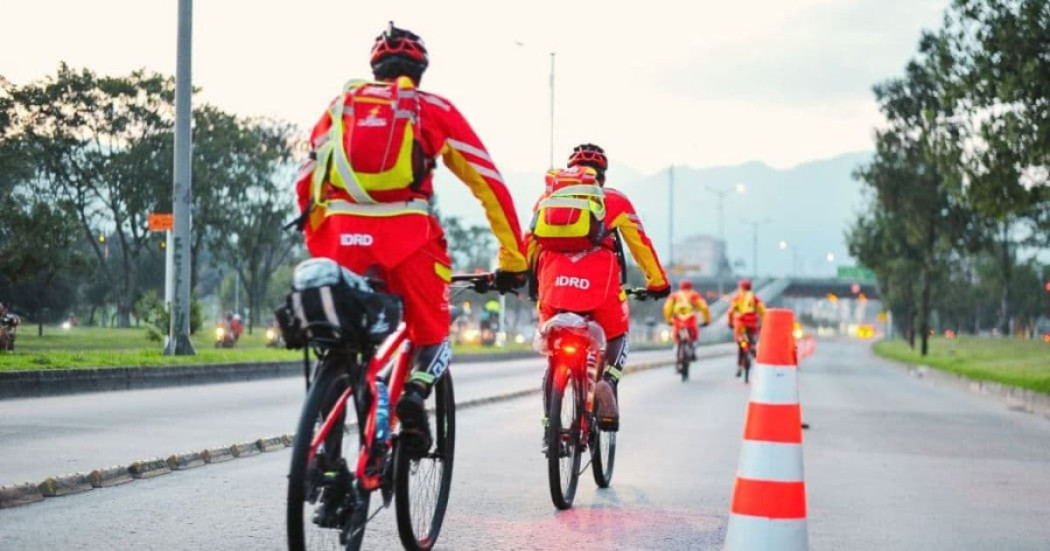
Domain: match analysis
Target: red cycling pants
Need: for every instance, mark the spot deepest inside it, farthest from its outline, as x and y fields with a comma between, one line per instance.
x=689, y=322
x=408, y=252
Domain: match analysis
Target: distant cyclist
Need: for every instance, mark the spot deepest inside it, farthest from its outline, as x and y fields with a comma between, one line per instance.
x=681, y=309
x=574, y=248
x=745, y=314
x=366, y=197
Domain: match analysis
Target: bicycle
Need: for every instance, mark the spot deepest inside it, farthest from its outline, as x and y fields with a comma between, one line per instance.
x=575, y=345
x=685, y=346
x=328, y=503
x=745, y=352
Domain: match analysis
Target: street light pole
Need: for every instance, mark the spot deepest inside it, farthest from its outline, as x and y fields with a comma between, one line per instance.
x=670, y=217
x=178, y=342
x=720, y=193
x=552, y=111
x=754, y=241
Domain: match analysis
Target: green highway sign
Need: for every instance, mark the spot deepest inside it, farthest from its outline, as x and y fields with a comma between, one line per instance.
x=855, y=273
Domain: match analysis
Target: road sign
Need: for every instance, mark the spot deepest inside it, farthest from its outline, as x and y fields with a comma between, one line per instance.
x=856, y=273
x=161, y=222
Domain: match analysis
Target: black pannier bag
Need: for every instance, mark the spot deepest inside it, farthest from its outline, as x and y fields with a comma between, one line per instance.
x=333, y=305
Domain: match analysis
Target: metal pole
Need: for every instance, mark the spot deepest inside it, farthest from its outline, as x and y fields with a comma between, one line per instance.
x=552, y=111
x=670, y=217
x=179, y=330
x=754, y=249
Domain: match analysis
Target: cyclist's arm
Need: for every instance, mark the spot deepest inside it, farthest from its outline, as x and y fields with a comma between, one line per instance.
x=303, y=189
x=701, y=305
x=625, y=219
x=465, y=155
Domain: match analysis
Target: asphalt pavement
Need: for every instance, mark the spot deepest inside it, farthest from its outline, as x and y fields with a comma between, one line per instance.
x=892, y=462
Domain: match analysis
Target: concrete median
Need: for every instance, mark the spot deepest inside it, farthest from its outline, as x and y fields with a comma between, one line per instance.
x=64, y=485
x=19, y=494
x=109, y=476
x=149, y=468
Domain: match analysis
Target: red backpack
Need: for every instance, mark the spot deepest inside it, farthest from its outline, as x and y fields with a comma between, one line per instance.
x=571, y=217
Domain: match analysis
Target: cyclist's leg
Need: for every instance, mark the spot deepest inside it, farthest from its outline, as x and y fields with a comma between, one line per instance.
x=613, y=316
x=418, y=280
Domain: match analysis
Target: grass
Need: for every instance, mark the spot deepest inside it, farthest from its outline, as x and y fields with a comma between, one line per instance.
x=90, y=347
x=1021, y=363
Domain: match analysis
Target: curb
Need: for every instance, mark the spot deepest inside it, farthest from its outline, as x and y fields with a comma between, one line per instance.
x=65, y=485
x=1016, y=398
x=109, y=476
x=23, y=494
x=217, y=455
x=244, y=449
x=183, y=461
x=149, y=468
x=269, y=444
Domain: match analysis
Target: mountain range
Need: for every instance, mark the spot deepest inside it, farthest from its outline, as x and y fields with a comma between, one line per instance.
x=808, y=206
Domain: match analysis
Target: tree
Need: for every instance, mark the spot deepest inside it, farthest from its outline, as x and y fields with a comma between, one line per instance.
x=256, y=243
x=98, y=143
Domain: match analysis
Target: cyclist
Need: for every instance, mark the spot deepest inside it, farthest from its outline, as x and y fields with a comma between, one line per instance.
x=584, y=274
x=365, y=193
x=745, y=313
x=681, y=308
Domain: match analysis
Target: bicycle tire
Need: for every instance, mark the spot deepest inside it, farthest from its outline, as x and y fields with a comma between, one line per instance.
x=603, y=456
x=328, y=385
x=563, y=441
x=414, y=535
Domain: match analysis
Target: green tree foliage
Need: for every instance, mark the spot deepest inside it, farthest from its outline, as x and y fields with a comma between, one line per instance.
x=960, y=178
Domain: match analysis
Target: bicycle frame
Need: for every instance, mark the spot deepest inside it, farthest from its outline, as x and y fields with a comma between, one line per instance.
x=396, y=347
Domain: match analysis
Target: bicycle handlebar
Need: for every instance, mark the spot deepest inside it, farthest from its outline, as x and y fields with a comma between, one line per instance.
x=481, y=283
x=638, y=293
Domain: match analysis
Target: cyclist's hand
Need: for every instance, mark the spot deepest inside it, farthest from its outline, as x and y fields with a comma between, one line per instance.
x=660, y=293
x=507, y=282
x=705, y=324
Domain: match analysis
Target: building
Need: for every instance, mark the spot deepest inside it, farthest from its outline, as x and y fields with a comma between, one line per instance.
x=700, y=255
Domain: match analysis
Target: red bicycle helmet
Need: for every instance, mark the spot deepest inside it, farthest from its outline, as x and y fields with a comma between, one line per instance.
x=399, y=52
x=685, y=285
x=745, y=284
x=590, y=155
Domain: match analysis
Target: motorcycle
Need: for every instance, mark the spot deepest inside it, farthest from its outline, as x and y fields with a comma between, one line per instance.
x=8, y=328
x=224, y=338
x=273, y=338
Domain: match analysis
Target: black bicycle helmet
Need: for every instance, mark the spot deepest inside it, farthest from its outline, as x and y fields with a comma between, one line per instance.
x=399, y=52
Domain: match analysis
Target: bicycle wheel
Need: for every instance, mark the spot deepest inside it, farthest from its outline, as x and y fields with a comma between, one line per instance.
x=325, y=510
x=563, y=444
x=422, y=485
x=603, y=456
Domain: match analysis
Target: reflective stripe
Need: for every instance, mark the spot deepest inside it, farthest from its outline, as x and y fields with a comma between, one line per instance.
x=328, y=305
x=569, y=202
x=467, y=148
x=422, y=376
x=415, y=206
x=580, y=189
x=774, y=385
x=437, y=102
x=771, y=461
x=486, y=171
x=753, y=533
x=444, y=272
x=613, y=372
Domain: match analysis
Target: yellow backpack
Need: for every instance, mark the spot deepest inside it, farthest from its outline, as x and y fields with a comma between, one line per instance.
x=571, y=217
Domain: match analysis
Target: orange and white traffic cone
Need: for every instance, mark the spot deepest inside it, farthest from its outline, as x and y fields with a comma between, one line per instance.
x=769, y=498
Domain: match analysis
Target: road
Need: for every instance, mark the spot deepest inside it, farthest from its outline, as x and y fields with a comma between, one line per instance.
x=81, y=432
x=892, y=462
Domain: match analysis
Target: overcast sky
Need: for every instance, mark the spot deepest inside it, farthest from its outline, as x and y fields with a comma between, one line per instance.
x=695, y=82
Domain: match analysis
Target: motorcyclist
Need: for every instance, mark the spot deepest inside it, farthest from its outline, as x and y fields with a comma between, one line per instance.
x=9, y=322
x=680, y=310
x=237, y=327
x=378, y=220
x=745, y=314
x=589, y=280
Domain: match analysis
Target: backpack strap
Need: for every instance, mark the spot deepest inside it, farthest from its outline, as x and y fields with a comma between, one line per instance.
x=331, y=156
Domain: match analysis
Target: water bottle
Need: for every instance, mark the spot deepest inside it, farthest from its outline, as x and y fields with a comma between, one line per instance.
x=382, y=413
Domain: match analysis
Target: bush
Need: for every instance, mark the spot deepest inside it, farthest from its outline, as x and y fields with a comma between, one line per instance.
x=151, y=309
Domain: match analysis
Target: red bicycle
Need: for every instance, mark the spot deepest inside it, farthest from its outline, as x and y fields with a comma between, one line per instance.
x=576, y=347
x=333, y=475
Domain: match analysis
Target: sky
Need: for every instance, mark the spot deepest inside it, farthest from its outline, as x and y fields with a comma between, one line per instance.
x=689, y=82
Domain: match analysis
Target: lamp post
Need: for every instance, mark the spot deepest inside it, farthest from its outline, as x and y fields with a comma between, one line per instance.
x=551, y=100
x=721, y=193
x=754, y=241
